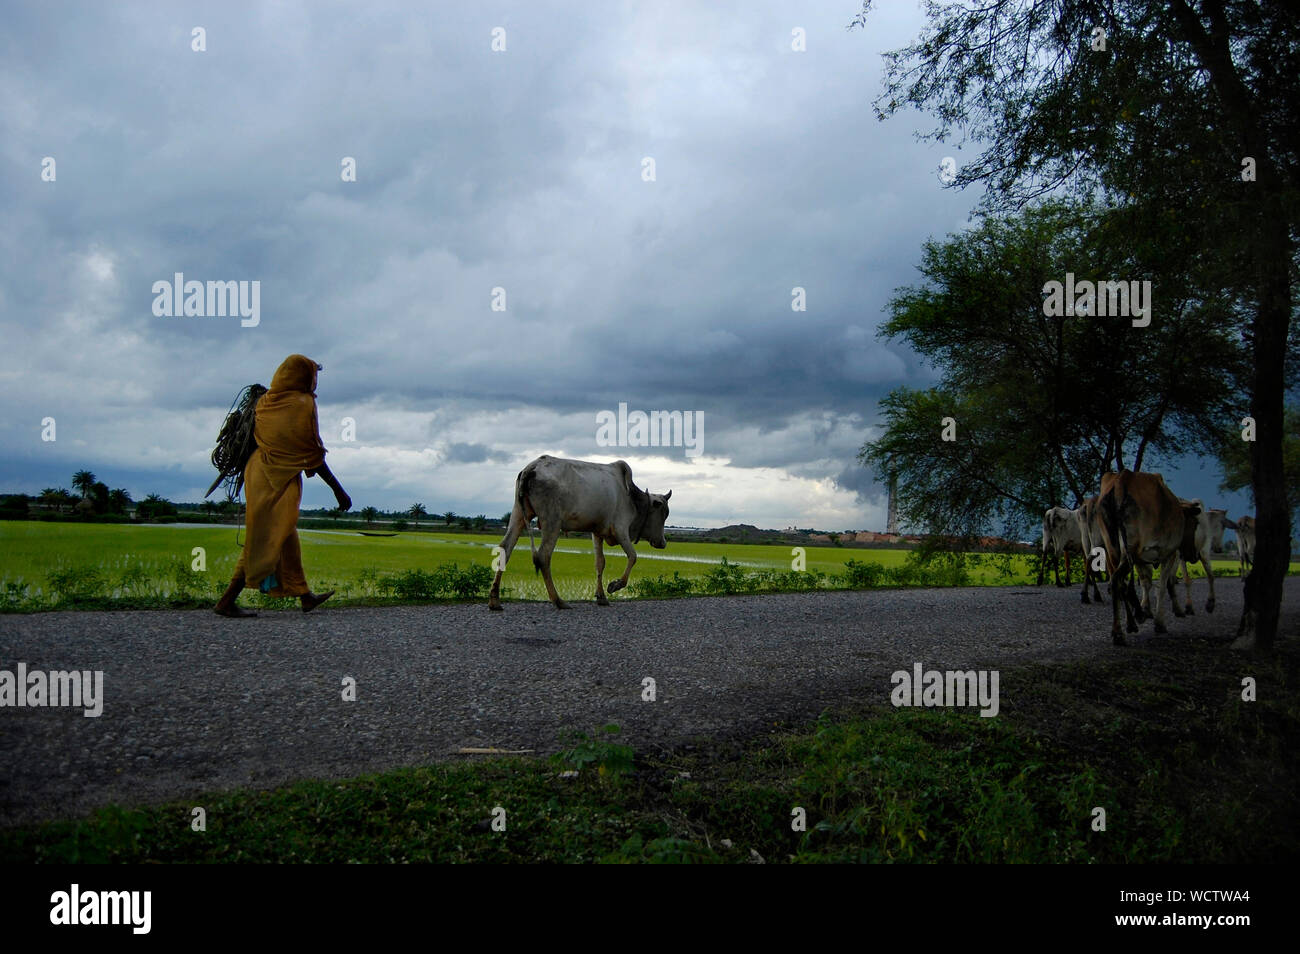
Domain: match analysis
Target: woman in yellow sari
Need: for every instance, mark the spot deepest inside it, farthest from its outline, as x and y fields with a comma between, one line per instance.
x=288, y=444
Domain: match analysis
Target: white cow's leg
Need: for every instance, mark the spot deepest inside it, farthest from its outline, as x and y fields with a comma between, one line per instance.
x=599, y=545
x=626, y=543
x=1187, y=589
x=1147, y=583
x=1168, y=579
x=550, y=534
x=1209, y=576
x=1170, y=583
x=518, y=524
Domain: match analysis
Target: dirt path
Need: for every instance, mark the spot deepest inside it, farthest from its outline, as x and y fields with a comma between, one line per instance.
x=194, y=702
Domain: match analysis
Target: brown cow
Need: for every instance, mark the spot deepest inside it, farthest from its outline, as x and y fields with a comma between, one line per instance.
x=1144, y=526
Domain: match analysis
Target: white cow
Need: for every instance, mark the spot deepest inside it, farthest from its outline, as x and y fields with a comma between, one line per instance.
x=1089, y=537
x=580, y=495
x=1246, y=544
x=1210, y=525
x=1060, y=536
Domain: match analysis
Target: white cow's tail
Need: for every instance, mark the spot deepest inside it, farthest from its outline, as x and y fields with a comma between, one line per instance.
x=521, y=501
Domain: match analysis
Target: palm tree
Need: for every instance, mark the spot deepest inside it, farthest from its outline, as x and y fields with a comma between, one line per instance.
x=417, y=511
x=480, y=521
x=449, y=516
x=119, y=500
x=369, y=514
x=53, y=497
x=84, y=481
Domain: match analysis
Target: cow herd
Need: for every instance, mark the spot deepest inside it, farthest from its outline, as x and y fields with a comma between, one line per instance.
x=1137, y=523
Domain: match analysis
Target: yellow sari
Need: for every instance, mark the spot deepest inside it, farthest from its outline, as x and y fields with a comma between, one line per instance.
x=288, y=442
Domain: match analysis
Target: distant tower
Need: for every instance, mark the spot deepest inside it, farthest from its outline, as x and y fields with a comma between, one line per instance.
x=893, y=505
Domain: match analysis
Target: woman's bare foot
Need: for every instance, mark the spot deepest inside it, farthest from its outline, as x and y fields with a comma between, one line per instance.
x=311, y=600
x=232, y=611
x=226, y=605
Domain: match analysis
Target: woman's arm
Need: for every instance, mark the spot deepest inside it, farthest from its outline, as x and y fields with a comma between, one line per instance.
x=341, y=495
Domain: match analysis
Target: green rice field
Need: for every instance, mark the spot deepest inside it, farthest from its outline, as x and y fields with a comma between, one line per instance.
x=45, y=565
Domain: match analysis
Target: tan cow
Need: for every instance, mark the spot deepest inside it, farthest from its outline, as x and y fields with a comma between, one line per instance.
x=1144, y=526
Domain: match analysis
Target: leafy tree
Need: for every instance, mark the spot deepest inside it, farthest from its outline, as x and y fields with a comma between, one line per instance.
x=1234, y=455
x=154, y=506
x=417, y=511
x=119, y=500
x=1040, y=406
x=1187, y=117
x=84, y=481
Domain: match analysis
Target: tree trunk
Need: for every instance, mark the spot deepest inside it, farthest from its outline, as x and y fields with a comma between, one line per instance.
x=1263, y=591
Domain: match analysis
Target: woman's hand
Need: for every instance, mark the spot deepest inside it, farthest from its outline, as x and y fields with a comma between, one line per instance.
x=344, y=501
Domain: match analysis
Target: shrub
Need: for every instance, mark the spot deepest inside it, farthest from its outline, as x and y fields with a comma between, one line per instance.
x=662, y=586
x=592, y=750
x=728, y=578
x=76, y=584
x=862, y=575
x=446, y=580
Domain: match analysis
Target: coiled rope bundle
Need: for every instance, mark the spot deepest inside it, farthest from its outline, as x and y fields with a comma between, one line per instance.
x=235, y=443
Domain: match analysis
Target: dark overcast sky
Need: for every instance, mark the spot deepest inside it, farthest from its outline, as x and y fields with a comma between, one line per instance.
x=475, y=169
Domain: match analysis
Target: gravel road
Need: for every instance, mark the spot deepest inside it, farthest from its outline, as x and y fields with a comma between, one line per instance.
x=194, y=702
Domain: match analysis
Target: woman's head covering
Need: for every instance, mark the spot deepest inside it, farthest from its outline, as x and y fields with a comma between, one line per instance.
x=296, y=373
x=287, y=431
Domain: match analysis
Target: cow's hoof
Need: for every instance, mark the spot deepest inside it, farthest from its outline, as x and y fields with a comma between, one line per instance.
x=601, y=601
x=1189, y=610
x=1160, y=627
x=616, y=586
x=1209, y=606
x=495, y=606
x=560, y=604
x=1118, y=639
x=1085, y=601
x=1132, y=627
